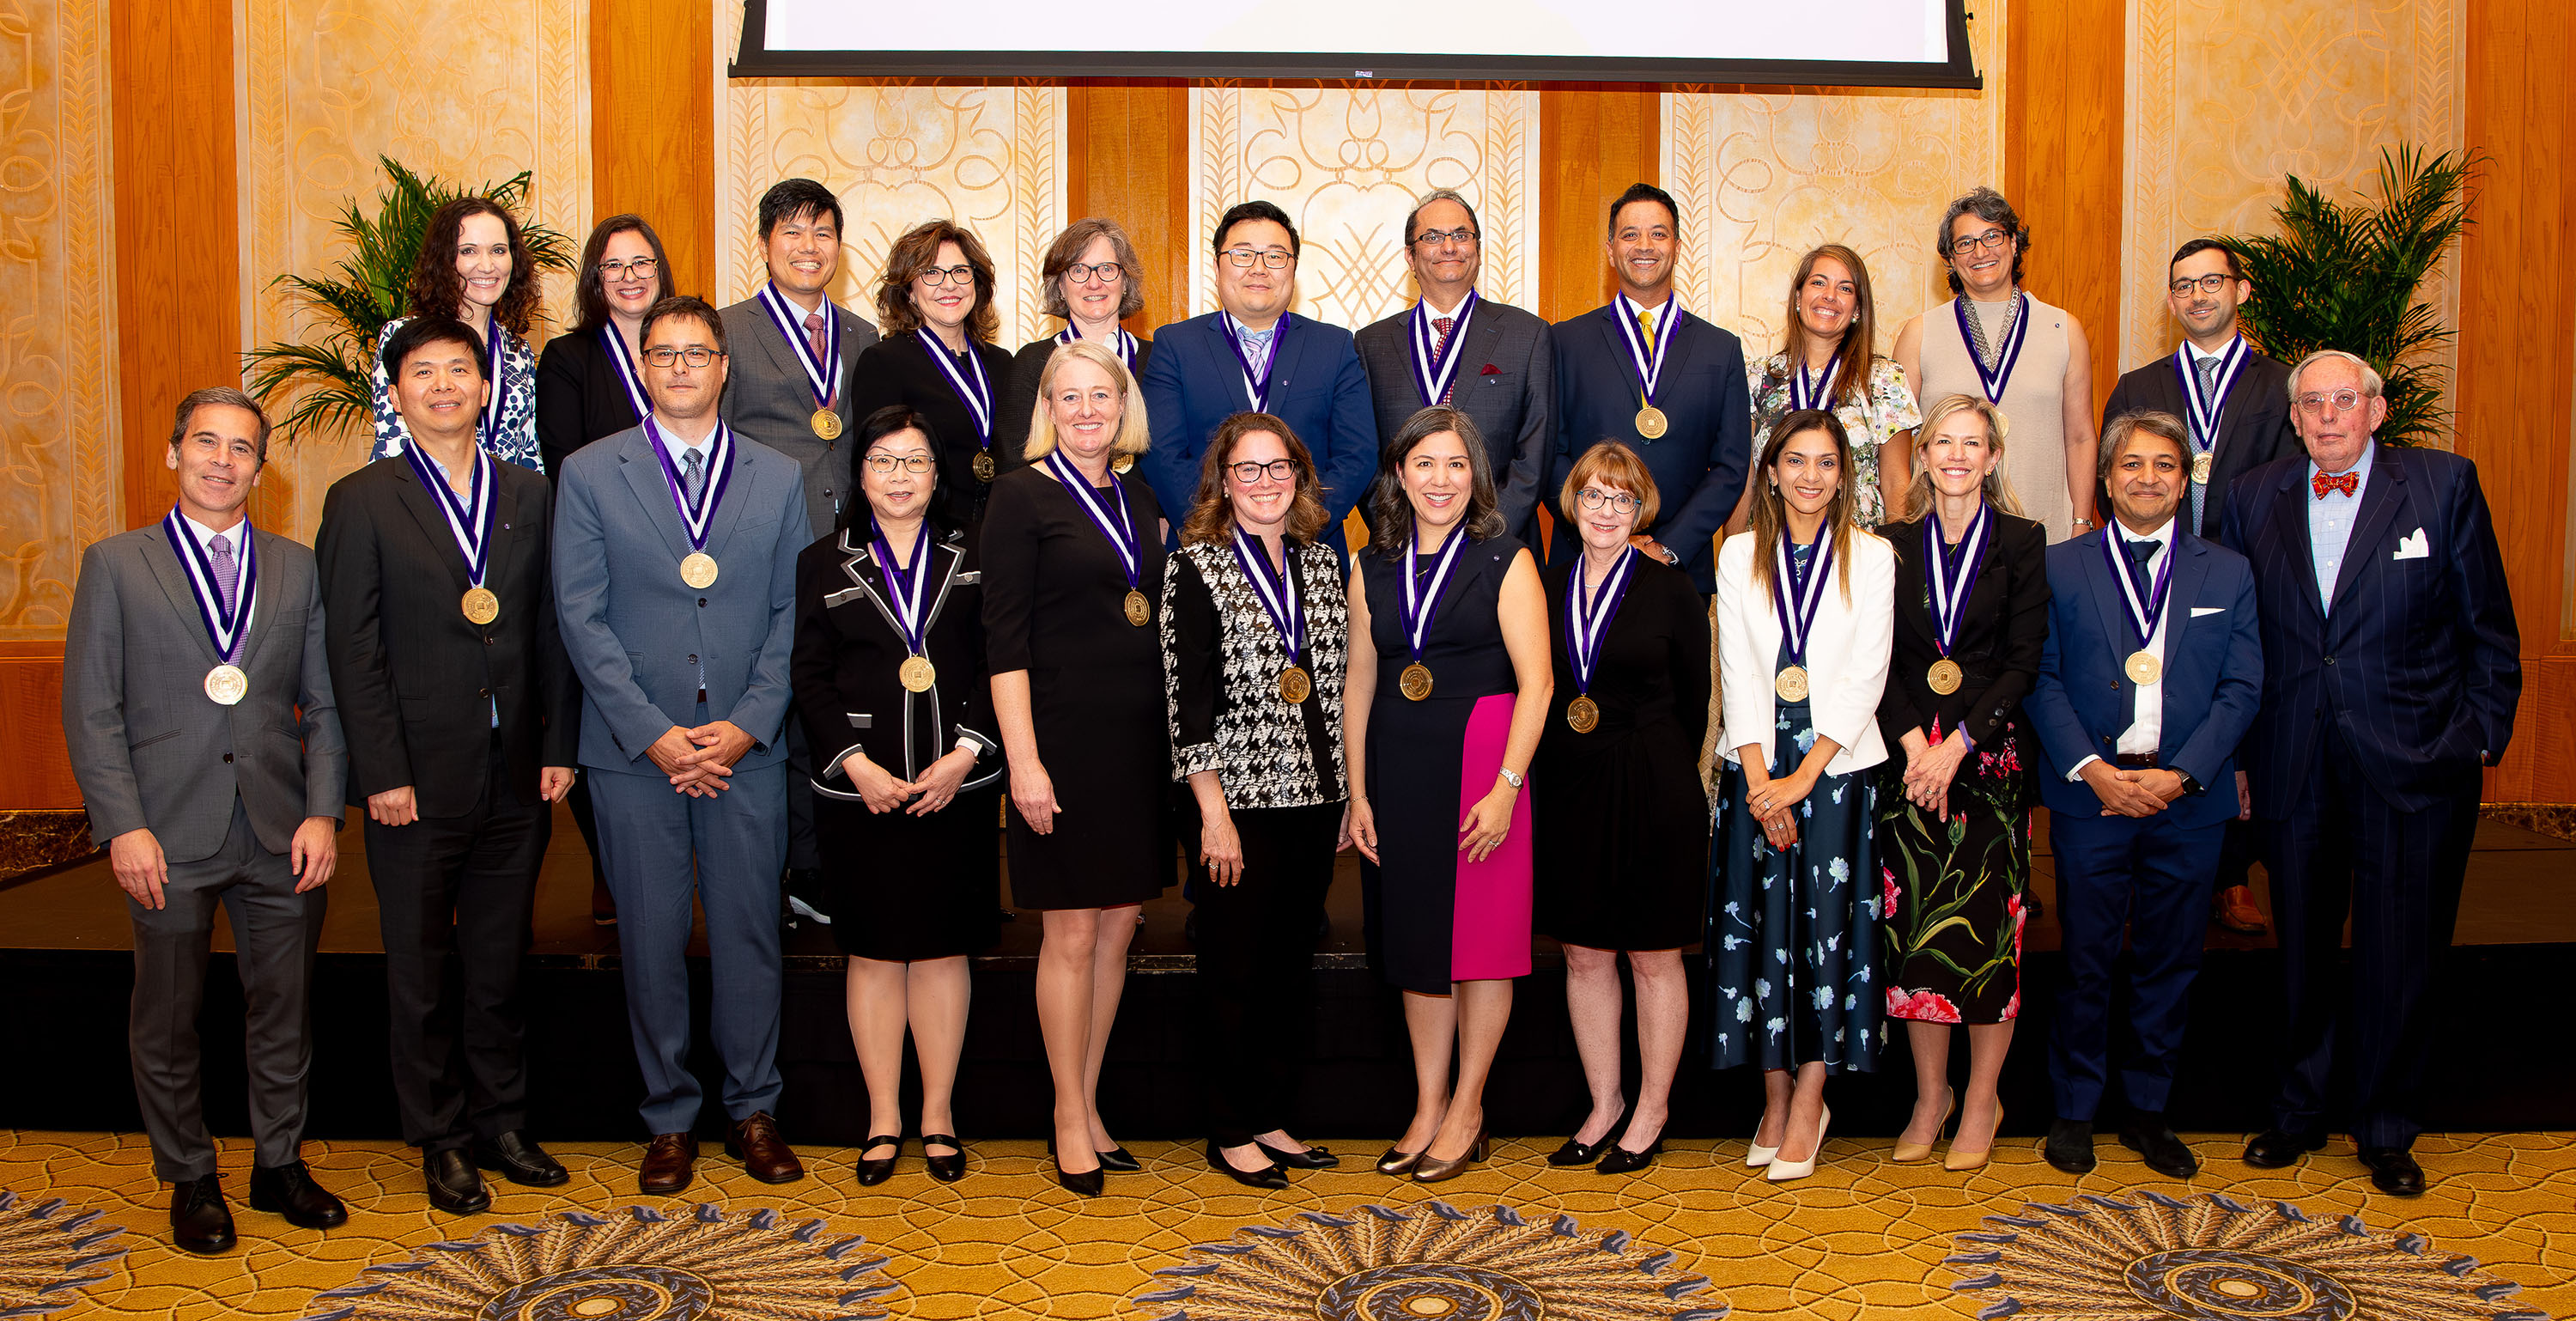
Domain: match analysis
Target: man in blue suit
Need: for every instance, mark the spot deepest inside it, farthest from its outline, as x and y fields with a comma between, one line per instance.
x=1253, y=355
x=2395, y=670
x=675, y=577
x=1642, y=370
x=2149, y=678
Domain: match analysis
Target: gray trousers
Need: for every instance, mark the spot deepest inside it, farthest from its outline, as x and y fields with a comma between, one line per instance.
x=275, y=931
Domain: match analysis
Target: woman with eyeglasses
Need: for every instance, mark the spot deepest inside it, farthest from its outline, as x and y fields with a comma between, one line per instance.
x=1831, y=361
x=888, y=673
x=475, y=266
x=1254, y=639
x=1616, y=809
x=1093, y=281
x=937, y=357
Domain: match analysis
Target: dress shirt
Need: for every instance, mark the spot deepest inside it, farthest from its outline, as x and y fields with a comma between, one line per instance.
x=450, y=479
x=2330, y=520
x=1258, y=348
x=2146, y=729
x=235, y=536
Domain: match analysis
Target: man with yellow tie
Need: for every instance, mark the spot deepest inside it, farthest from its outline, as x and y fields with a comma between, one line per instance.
x=1643, y=370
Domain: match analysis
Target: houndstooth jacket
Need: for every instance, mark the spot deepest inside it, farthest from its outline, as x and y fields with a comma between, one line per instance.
x=1221, y=662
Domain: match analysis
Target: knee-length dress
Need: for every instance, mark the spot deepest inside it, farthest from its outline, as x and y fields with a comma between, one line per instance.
x=1053, y=587
x=2034, y=395
x=1433, y=916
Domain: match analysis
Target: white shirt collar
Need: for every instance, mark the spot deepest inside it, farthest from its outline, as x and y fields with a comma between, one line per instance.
x=2162, y=536
x=1437, y=310
x=2223, y=349
x=205, y=535
x=1243, y=330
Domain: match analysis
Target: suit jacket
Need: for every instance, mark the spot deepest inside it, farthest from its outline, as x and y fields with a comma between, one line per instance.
x=2213, y=673
x=2002, y=627
x=150, y=749
x=1847, y=650
x=849, y=654
x=580, y=397
x=1505, y=380
x=2253, y=429
x=417, y=681
x=1194, y=382
x=768, y=400
x=2419, y=665
x=1699, y=464
x=638, y=635
x=1020, y=399
x=899, y=371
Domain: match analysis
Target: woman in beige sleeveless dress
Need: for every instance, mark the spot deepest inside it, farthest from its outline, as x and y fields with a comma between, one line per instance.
x=2047, y=394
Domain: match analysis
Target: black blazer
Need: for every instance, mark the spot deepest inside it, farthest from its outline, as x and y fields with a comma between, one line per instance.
x=849, y=653
x=417, y=680
x=1505, y=380
x=1700, y=463
x=2253, y=429
x=2002, y=629
x=579, y=396
x=1020, y=398
x=898, y=370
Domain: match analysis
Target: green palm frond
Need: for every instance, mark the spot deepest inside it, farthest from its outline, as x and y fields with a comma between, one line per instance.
x=322, y=383
x=2344, y=276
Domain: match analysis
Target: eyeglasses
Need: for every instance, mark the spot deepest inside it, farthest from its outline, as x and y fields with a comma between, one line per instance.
x=1107, y=272
x=1991, y=240
x=2344, y=401
x=1619, y=501
x=885, y=464
x=640, y=268
x=2208, y=284
x=935, y=276
x=1433, y=238
x=1277, y=470
x=694, y=355
x=1270, y=257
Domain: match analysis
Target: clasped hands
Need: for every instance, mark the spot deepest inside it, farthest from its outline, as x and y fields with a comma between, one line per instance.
x=2133, y=793
x=883, y=792
x=700, y=761
x=1774, y=802
x=1930, y=768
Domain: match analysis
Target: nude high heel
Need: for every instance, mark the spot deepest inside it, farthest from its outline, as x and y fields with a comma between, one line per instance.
x=1782, y=1171
x=1907, y=1153
x=1959, y=1161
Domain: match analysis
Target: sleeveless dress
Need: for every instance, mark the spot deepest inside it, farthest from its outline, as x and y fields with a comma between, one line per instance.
x=2033, y=402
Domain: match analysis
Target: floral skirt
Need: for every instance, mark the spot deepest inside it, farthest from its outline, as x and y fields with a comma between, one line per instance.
x=1953, y=891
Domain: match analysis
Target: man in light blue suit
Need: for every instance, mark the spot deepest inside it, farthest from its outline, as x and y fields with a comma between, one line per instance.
x=2151, y=674
x=1252, y=355
x=675, y=576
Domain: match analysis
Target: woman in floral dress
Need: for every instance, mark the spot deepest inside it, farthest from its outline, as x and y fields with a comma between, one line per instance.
x=1830, y=360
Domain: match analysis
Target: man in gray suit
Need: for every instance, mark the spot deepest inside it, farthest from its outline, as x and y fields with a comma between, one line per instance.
x=197, y=707
x=1490, y=359
x=794, y=348
x=675, y=579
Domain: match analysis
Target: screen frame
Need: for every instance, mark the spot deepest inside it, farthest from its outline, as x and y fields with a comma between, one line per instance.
x=755, y=60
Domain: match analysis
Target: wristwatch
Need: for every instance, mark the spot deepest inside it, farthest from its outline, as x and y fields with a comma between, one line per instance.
x=2191, y=788
x=1511, y=777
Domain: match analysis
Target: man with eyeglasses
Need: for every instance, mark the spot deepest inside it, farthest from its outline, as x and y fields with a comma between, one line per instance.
x=1252, y=355
x=1491, y=360
x=1644, y=371
x=675, y=579
x=2391, y=670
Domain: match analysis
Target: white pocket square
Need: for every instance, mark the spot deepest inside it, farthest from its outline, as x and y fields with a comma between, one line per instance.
x=2413, y=547
x=2199, y=610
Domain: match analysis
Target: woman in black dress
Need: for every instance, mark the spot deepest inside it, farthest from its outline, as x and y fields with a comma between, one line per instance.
x=888, y=670
x=1622, y=826
x=1954, y=814
x=1091, y=279
x=1449, y=683
x=935, y=309
x=1254, y=636
x=1073, y=564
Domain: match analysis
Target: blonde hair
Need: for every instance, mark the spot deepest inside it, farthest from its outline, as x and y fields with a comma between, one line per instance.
x=1770, y=508
x=1619, y=465
x=1132, y=436
x=1998, y=490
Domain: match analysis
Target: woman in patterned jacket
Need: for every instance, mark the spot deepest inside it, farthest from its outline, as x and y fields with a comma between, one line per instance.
x=474, y=266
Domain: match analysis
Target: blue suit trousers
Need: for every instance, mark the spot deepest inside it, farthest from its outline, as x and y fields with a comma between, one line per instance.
x=2150, y=879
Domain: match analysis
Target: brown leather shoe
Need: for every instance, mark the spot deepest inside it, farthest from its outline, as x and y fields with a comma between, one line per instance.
x=765, y=1155
x=2235, y=911
x=669, y=1164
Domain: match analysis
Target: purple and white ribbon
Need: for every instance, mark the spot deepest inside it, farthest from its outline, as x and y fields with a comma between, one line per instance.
x=624, y=364
x=978, y=396
x=1435, y=363
x=1995, y=379
x=1256, y=382
x=227, y=629
x=2204, y=412
x=1121, y=531
x=1279, y=596
x=1795, y=594
x=468, y=519
x=1421, y=602
x=822, y=376
x=1585, y=622
x=1648, y=359
x=696, y=518
x=1948, y=595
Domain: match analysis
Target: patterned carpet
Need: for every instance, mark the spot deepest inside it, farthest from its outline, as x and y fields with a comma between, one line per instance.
x=1513, y=1240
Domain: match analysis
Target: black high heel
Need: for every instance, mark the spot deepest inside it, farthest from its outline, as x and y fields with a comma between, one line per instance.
x=1584, y=1153
x=949, y=1168
x=1312, y=1158
x=1088, y=1183
x=874, y=1172
x=1116, y=1159
x=1623, y=1161
x=1267, y=1178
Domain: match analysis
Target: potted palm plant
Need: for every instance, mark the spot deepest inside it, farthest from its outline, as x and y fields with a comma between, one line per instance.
x=328, y=376
x=2344, y=276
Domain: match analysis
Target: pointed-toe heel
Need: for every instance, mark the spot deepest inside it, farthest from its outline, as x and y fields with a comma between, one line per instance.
x=1960, y=1162
x=1429, y=1169
x=1907, y=1153
x=1267, y=1178
x=1782, y=1171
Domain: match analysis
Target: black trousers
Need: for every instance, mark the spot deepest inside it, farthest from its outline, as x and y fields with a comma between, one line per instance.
x=1256, y=957
x=453, y=896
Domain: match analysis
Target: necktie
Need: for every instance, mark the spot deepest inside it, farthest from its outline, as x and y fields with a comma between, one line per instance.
x=2347, y=482
x=693, y=475
x=1444, y=324
x=227, y=573
x=1646, y=324
x=814, y=336
x=2208, y=369
x=2140, y=553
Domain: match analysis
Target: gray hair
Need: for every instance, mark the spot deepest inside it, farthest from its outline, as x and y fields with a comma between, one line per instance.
x=2371, y=385
x=223, y=396
x=1987, y=205
x=1440, y=195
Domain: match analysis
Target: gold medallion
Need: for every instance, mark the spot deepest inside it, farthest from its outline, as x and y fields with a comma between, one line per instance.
x=1139, y=611
x=1122, y=463
x=2143, y=667
x=984, y=466
x=1651, y=422
x=1791, y=684
x=2200, y=466
x=1944, y=676
x=227, y=685
x=699, y=570
x=917, y=674
x=827, y=424
x=1415, y=682
x=1582, y=714
x=1294, y=685
x=481, y=606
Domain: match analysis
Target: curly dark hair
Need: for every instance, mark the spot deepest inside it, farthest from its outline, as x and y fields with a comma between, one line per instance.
x=436, y=289
x=588, y=297
x=916, y=252
x=1212, y=514
x=1987, y=205
x=1394, y=530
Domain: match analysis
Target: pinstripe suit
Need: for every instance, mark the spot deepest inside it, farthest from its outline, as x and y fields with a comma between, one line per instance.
x=2377, y=714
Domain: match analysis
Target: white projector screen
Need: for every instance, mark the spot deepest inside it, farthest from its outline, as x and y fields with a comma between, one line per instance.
x=1868, y=43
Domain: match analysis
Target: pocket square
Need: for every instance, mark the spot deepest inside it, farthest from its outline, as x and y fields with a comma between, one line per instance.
x=1491, y=370
x=2199, y=610
x=2414, y=546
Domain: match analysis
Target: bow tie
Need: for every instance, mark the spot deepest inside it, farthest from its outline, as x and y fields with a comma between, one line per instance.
x=2349, y=483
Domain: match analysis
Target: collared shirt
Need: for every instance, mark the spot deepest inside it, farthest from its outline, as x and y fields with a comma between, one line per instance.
x=2330, y=520
x=450, y=478
x=1256, y=343
x=2146, y=729
x=1436, y=310
x=233, y=536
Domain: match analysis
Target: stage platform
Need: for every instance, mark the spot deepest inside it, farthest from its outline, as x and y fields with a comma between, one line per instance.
x=66, y=970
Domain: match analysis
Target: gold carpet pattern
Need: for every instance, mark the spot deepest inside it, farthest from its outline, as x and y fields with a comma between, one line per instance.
x=1862, y=1238
x=50, y=1249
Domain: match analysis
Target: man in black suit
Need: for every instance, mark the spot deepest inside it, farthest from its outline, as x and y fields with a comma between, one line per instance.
x=456, y=694
x=2392, y=666
x=2231, y=399
x=1492, y=360
x=1644, y=371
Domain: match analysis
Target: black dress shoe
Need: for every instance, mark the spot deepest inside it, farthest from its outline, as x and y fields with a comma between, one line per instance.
x=289, y=1191
x=1117, y=1159
x=1267, y=1178
x=2147, y=1134
x=1623, y=1161
x=874, y=1172
x=1086, y=1184
x=199, y=1220
x=1584, y=1153
x=1312, y=1158
x=2070, y=1145
x=517, y=1158
x=2273, y=1148
x=2393, y=1171
x=454, y=1187
x=949, y=1168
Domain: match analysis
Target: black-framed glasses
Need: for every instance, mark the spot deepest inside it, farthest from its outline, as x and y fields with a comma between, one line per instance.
x=884, y=464
x=2344, y=401
x=1273, y=258
x=638, y=268
x=1106, y=272
x=2208, y=284
x=1991, y=241
x=935, y=276
x=1619, y=501
x=1277, y=470
x=1433, y=238
x=696, y=355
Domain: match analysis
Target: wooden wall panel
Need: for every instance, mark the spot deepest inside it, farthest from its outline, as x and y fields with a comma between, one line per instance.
x=2063, y=61
x=1594, y=142
x=1127, y=148
x=31, y=726
x=652, y=127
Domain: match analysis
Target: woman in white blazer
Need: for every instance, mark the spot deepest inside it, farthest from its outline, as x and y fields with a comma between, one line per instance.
x=1805, y=617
